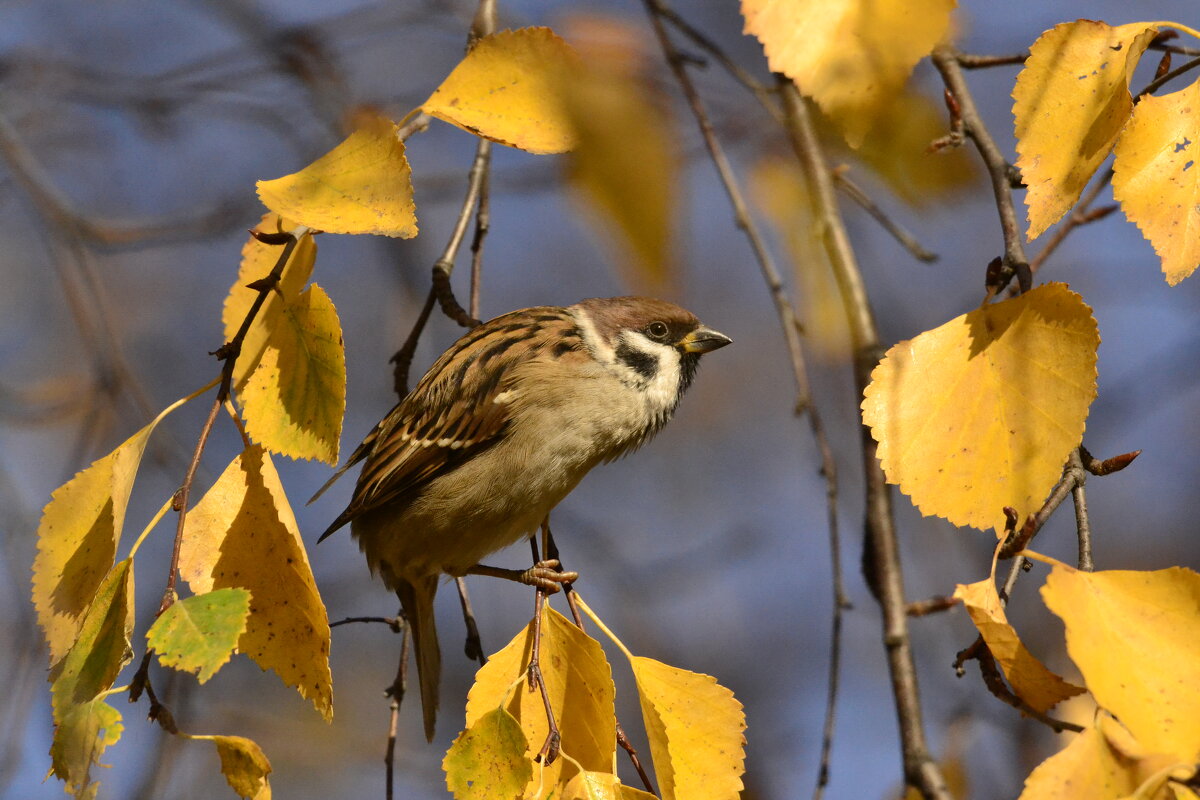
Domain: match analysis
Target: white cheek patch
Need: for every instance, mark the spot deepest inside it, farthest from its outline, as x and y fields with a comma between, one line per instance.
x=661, y=389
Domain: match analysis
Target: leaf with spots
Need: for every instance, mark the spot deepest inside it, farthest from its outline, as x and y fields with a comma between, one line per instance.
x=198, y=634
x=981, y=412
x=1072, y=100
x=1133, y=636
x=488, y=760
x=364, y=185
x=696, y=730
x=1156, y=178
x=78, y=535
x=505, y=89
x=80, y=738
x=243, y=534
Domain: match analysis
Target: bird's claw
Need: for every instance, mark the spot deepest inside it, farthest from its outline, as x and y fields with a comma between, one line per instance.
x=547, y=576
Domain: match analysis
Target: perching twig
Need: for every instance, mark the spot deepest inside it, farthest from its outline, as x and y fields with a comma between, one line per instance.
x=881, y=549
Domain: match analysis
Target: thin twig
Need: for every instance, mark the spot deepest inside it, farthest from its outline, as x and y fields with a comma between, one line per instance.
x=396, y=693
x=764, y=93
x=881, y=549
x=445, y=264
x=898, y=232
x=945, y=58
x=658, y=11
x=974, y=61
x=994, y=681
x=474, y=644
x=933, y=605
x=404, y=356
x=1083, y=525
x=1066, y=484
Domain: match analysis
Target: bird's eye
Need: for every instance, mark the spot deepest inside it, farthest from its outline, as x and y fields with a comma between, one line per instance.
x=657, y=330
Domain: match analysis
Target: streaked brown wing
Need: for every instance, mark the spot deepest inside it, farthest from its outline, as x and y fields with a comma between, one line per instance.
x=452, y=414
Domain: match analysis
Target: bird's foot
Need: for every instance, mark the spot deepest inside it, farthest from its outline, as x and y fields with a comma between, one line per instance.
x=545, y=575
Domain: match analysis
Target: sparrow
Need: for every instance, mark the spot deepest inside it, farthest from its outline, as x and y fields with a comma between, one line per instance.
x=499, y=430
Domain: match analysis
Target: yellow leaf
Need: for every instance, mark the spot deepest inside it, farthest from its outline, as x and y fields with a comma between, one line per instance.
x=1154, y=179
x=852, y=56
x=1149, y=770
x=1087, y=767
x=781, y=191
x=243, y=764
x=258, y=260
x=1072, y=99
x=505, y=89
x=897, y=149
x=243, y=534
x=487, y=761
x=102, y=649
x=1030, y=679
x=364, y=185
x=695, y=727
x=601, y=786
x=80, y=738
x=1133, y=636
x=78, y=535
x=981, y=412
x=296, y=397
x=625, y=162
x=579, y=684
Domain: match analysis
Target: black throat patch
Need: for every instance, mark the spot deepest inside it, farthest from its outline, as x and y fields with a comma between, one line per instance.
x=644, y=364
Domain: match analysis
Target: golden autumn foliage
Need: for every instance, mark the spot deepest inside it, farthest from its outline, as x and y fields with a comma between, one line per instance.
x=972, y=417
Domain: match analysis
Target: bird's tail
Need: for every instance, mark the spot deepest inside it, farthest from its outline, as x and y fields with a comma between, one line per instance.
x=417, y=600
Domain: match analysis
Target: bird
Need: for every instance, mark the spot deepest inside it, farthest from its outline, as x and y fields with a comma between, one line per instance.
x=499, y=430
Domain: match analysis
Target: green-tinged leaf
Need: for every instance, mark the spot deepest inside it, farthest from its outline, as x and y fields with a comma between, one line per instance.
x=364, y=185
x=102, y=648
x=487, y=761
x=295, y=400
x=199, y=634
x=243, y=534
x=258, y=260
x=80, y=739
x=78, y=535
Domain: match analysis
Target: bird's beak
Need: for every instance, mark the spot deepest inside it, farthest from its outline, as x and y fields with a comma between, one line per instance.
x=703, y=340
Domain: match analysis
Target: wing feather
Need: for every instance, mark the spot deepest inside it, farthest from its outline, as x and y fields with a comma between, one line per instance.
x=454, y=412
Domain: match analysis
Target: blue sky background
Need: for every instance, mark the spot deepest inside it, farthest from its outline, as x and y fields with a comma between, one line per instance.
x=706, y=550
